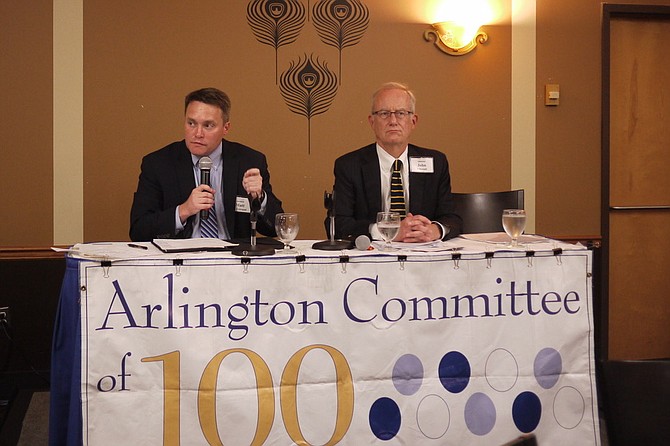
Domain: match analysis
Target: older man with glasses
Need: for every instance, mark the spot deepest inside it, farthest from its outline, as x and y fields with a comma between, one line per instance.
x=394, y=175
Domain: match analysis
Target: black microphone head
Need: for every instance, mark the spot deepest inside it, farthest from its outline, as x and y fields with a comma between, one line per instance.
x=328, y=200
x=255, y=203
x=205, y=163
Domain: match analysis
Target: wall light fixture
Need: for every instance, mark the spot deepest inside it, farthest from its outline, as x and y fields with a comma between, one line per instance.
x=454, y=38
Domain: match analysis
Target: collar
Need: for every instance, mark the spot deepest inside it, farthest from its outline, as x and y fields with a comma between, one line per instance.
x=215, y=156
x=386, y=160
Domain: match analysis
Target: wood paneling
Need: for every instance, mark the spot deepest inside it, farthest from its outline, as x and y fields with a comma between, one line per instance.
x=638, y=155
x=26, y=128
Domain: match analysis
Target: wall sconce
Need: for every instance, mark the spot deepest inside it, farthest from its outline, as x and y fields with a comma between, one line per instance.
x=455, y=39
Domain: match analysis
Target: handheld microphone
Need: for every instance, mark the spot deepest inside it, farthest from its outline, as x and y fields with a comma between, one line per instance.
x=205, y=165
x=362, y=242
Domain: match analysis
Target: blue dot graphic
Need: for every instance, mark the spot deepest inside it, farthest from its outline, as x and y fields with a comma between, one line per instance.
x=454, y=372
x=480, y=414
x=547, y=367
x=385, y=418
x=408, y=374
x=526, y=411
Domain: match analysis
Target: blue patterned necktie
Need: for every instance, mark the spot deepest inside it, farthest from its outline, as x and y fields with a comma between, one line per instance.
x=397, y=190
x=208, y=226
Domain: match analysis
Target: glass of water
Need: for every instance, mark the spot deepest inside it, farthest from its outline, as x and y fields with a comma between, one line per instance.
x=388, y=224
x=287, y=226
x=514, y=223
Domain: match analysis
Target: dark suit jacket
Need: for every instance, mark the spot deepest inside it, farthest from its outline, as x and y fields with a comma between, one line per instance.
x=358, y=192
x=167, y=179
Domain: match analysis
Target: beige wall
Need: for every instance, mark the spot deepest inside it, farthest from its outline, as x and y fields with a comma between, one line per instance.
x=139, y=66
x=140, y=58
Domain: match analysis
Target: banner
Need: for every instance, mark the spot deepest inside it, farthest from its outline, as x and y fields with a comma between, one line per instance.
x=429, y=350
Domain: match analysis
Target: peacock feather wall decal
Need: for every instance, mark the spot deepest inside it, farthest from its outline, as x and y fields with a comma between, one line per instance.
x=276, y=22
x=308, y=87
x=340, y=23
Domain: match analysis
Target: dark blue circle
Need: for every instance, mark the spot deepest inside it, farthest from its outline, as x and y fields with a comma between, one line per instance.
x=526, y=411
x=385, y=418
x=454, y=372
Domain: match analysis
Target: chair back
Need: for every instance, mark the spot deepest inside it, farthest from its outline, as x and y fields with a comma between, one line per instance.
x=636, y=395
x=482, y=212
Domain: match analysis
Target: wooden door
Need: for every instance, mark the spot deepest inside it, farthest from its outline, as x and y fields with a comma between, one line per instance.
x=636, y=181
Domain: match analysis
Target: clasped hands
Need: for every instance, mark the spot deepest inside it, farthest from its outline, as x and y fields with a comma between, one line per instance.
x=202, y=197
x=417, y=229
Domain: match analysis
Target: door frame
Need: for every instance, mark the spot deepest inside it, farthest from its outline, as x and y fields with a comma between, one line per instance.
x=609, y=12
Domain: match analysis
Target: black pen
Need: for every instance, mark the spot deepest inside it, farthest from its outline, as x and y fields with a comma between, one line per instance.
x=133, y=245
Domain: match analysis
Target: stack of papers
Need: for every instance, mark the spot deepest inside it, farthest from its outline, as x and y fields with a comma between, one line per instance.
x=501, y=237
x=192, y=244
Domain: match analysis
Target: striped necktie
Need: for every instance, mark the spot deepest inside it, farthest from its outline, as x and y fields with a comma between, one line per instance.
x=397, y=190
x=208, y=226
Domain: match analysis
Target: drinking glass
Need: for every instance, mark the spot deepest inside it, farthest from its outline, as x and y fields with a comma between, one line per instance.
x=287, y=227
x=514, y=223
x=388, y=224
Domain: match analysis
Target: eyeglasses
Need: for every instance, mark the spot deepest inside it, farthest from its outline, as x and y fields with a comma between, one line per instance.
x=399, y=114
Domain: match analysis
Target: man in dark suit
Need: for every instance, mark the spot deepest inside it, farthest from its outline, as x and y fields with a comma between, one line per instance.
x=363, y=177
x=169, y=196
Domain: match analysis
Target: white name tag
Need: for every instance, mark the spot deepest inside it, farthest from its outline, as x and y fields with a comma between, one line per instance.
x=242, y=205
x=421, y=164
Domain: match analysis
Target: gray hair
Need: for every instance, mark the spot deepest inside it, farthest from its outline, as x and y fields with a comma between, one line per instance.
x=395, y=86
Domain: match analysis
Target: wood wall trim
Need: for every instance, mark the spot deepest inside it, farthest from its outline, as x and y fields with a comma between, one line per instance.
x=22, y=253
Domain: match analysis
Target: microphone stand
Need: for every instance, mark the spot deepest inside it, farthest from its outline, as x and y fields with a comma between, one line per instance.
x=252, y=249
x=331, y=244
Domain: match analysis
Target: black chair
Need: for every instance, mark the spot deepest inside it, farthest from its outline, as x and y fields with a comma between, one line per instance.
x=637, y=401
x=482, y=212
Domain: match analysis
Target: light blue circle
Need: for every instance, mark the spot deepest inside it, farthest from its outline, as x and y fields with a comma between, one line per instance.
x=408, y=374
x=547, y=367
x=480, y=414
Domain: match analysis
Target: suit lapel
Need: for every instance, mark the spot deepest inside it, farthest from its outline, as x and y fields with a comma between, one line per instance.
x=417, y=185
x=371, y=178
x=184, y=172
x=229, y=183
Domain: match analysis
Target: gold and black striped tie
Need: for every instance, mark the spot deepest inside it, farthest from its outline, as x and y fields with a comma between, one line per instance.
x=397, y=190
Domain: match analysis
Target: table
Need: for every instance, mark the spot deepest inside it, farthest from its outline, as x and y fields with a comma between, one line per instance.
x=466, y=342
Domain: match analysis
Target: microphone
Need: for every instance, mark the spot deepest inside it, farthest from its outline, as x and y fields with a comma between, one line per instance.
x=255, y=203
x=362, y=242
x=205, y=165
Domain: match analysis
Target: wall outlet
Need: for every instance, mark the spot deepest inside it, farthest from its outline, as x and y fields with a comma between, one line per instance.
x=5, y=316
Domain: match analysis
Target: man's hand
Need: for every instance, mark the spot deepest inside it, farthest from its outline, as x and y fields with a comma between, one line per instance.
x=201, y=198
x=416, y=229
x=253, y=183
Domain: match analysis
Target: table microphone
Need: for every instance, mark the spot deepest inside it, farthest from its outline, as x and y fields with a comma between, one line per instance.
x=362, y=242
x=205, y=165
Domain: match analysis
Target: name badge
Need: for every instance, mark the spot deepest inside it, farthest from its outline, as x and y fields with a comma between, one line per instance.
x=242, y=205
x=421, y=164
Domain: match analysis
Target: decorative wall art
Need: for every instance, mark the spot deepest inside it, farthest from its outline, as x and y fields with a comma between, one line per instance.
x=308, y=86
